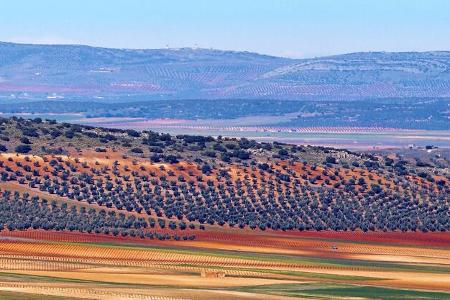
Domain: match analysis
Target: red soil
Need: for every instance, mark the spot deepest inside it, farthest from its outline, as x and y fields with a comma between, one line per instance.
x=285, y=240
x=432, y=239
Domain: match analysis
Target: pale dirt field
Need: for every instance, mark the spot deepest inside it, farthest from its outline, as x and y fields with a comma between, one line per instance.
x=415, y=280
x=402, y=258
x=86, y=291
x=186, y=281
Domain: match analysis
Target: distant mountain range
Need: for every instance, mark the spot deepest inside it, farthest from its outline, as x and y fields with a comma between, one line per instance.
x=72, y=71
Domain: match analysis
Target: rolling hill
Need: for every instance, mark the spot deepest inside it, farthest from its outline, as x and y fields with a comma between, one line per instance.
x=190, y=180
x=71, y=70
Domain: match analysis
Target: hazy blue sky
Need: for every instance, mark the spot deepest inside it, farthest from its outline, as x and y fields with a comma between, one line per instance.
x=295, y=28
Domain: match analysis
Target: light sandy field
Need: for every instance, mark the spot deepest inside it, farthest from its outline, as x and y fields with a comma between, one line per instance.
x=91, y=291
x=186, y=281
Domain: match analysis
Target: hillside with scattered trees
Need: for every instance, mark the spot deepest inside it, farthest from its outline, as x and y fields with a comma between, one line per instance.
x=65, y=177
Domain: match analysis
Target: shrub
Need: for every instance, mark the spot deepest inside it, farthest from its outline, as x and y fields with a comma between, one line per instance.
x=23, y=149
x=155, y=149
x=241, y=154
x=55, y=133
x=133, y=133
x=137, y=150
x=226, y=157
x=388, y=162
x=69, y=134
x=30, y=132
x=206, y=169
x=25, y=140
x=210, y=154
x=264, y=166
x=376, y=188
x=422, y=174
x=171, y=159
x=155, y=158
x=330, y=160
x=219, y=147
x=283, y=152
x=230, y=146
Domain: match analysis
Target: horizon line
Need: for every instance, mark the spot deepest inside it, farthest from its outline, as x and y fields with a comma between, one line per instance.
x=214, y=49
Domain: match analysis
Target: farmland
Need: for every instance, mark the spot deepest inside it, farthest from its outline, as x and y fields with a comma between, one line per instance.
x=144, y=270
x=97, y=213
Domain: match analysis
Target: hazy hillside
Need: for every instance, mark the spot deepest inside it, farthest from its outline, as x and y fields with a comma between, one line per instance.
x=72, y=70
x=175, y=72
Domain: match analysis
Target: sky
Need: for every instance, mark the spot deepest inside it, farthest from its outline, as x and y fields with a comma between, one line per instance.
x=292, y=28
